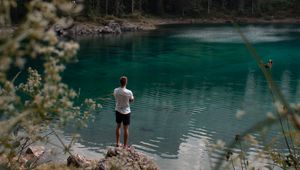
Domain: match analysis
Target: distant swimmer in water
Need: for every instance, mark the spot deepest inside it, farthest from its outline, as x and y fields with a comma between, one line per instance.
x=269, y=64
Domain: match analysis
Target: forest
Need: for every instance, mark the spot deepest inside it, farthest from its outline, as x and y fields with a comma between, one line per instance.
x=179, y=8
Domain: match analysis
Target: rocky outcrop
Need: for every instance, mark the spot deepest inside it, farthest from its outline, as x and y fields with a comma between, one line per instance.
x=36, y=157
x=129, y=27
x=79, y=161
x=36, y=151
x=110, y=27
x=116, y=158
x=29, y=159
x=127, y=159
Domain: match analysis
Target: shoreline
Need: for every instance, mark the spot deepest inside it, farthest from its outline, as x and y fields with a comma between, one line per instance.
x=121, y=25
x=242, y=20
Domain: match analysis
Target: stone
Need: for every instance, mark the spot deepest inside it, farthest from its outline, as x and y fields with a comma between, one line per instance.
x=128, y=27
x=107, y=29
x=111, y=152
x=115, y=27
x=99, y=30
x=110, y=27
x=32, y=156
x=37, y=151
x=78, y=161
x=129, y=159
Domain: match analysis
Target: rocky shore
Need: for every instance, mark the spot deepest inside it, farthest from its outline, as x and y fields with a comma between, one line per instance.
x=114, y=27
x=116, y=158
x=35, y=157
x=110, y=27
x=92, y=28
x=119, y=26
x=215, y=20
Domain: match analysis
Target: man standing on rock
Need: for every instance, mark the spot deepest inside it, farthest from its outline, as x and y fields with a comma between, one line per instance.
x=123, y=97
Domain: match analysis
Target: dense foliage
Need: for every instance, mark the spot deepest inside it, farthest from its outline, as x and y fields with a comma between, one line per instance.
x=42, y=103
x=182, y=8
x=195, y=8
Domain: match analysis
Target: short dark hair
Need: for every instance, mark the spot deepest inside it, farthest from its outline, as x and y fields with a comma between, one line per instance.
x=123, y=80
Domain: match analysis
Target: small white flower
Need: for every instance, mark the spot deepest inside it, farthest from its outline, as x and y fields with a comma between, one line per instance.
x=37, y=99
x=5, y=63
x=72, y=94
x=20, y=62
x=10, y=107
x=68, y=103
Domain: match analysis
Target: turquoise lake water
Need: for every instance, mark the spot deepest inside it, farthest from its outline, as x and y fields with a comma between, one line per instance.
x=189, y=81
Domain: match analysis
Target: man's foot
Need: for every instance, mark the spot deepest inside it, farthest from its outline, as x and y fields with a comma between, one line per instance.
x=118, y=145
x=126, y=147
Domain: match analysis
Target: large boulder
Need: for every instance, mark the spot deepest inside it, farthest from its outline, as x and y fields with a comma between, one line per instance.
x=126, y=159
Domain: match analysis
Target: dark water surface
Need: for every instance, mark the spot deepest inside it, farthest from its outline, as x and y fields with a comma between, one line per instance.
x=189, y=81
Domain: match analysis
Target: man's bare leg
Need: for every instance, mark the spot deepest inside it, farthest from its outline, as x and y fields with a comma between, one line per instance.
x=118, y=132
x=126, y=134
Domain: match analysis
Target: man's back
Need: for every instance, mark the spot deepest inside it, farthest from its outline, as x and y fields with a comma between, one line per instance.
x=123, y=96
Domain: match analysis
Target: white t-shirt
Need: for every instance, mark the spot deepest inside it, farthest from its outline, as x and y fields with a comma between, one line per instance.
x=122, y=96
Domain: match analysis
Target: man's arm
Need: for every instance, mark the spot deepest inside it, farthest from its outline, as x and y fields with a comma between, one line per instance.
x=114, y=93
x=131, y=99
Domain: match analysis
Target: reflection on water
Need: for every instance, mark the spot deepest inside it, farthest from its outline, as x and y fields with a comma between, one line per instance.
x=256, y=34
x=187, y=90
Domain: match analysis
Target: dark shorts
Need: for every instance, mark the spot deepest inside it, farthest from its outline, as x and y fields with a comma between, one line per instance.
x=123, y=118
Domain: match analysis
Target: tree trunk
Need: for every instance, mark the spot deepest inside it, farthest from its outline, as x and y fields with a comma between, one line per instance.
x=258, y=3
x=117, y=7
x=98, y=7
x=140, y=5
x=252, y=7
x=106, y=7
x=208, y=6
x=132, y=6
x=94, y=4
x=241, y=5
x=298, y=6
x=199, y=5
x=224, y=4
x=160, y=9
